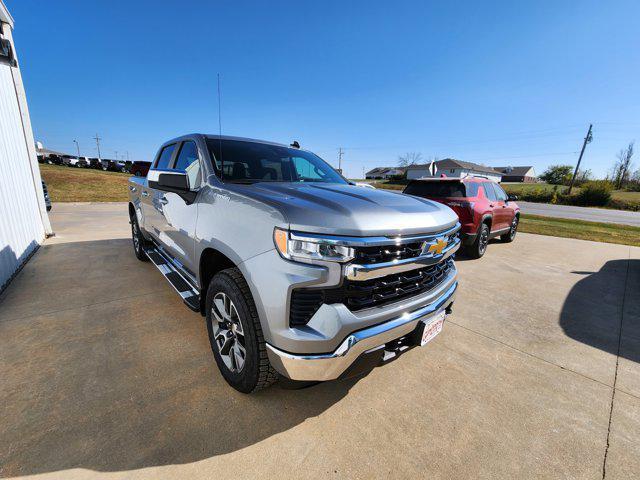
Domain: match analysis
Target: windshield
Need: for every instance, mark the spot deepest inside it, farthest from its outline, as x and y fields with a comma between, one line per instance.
x=250, y=162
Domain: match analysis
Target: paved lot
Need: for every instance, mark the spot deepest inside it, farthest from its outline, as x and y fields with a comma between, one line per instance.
x=605, y=215
x=106, y=374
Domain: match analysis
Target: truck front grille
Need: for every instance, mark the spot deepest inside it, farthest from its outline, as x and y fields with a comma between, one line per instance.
x=387, y=253
x=377, y=292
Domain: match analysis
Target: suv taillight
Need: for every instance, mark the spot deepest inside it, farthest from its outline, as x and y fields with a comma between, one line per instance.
x=463, y=209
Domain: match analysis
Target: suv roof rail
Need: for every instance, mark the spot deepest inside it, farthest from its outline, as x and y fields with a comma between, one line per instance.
x=473, y=175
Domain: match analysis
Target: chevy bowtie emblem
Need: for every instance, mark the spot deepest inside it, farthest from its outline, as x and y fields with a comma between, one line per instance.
x=434, y=248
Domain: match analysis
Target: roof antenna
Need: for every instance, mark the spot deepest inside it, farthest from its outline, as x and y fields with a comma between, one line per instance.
x=220, y=131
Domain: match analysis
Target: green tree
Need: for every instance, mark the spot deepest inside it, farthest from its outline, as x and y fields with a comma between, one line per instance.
x=557, y=174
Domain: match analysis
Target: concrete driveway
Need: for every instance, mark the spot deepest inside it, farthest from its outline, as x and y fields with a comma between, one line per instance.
x=105, y=373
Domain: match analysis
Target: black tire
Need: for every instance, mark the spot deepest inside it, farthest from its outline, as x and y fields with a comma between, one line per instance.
x=139, y=242
x=256, y=372
x=509, y=237
x=478, y=248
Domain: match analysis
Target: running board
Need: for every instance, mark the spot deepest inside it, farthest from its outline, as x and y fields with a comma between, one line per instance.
x=189, y=294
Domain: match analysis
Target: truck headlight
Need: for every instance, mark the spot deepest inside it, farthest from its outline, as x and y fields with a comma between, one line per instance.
x=314, y=248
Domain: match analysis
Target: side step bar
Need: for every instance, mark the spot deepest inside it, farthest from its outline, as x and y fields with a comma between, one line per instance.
x=189, y=294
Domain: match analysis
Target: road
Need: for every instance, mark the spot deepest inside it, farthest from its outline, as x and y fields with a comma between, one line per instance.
x=106, y=374
x=623, y=217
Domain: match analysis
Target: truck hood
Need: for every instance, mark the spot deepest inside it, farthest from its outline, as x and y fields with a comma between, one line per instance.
x=350, y=210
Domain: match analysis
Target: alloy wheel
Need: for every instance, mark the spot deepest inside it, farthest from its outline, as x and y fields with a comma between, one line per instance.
x=134, y=234
x=228, y=332
x=514, y=227
x=484, y=240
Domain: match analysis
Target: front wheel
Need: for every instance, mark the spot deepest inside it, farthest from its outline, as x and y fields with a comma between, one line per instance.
x=509, y=237
x=235, y=333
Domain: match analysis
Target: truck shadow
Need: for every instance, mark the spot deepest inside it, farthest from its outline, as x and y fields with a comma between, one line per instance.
x=104, y=368
x=593, y=311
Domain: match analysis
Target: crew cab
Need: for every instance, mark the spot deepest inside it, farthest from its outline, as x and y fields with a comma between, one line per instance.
x=483, y=207
x=299, y=274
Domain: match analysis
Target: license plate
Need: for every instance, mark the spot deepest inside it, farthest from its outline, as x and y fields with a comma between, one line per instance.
x=432, y=327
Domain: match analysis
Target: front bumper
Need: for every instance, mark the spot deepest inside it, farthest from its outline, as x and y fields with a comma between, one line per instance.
x=329, y=366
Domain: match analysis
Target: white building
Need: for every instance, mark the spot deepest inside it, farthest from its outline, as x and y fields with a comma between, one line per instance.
x=453, y=168
x=23, y=216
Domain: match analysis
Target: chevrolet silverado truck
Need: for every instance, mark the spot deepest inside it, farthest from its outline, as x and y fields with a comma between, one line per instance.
x=299, y=273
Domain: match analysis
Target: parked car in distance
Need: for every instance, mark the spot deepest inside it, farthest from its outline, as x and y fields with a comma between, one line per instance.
x=114, y=166
x=298, y=272
x=140, y=169
x=70, y=161
x=483, y=207
x=95, y=162
x=47, y=200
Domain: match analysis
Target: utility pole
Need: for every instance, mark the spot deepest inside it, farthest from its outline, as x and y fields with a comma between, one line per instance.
x=127, y=155
x=587, y=139
x=97, y=139
x=363, y=171
x=116, y=154
x=340, y=152
x=77, y=147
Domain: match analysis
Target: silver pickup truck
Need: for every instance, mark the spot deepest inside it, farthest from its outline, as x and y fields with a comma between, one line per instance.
x=299, y=273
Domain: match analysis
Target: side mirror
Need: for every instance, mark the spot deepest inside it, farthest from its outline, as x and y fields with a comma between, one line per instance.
x=512, y=198
x=177, y=182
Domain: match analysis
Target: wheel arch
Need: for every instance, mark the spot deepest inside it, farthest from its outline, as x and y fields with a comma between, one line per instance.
x=211, y=262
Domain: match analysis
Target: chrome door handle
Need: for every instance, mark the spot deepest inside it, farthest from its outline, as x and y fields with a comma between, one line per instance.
x=145, y=193
x=133, y=189
x=164, y=201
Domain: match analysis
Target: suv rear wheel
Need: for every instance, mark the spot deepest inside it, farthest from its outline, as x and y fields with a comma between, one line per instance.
x=508, y=237
x=235, y=333
x=479, y=247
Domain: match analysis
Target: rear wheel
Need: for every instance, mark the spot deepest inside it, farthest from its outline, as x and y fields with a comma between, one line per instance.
x=479, y=247
x=139, y=242
x=508, y=237
x=235, y=333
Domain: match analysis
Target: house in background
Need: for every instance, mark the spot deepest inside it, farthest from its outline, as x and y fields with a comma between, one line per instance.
x=383, y=173
x=453, y=168
x=517, y=174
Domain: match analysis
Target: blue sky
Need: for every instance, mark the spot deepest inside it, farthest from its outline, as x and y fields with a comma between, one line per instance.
x=498, y=83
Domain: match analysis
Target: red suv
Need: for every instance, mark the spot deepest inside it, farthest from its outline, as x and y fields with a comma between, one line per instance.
x=484, y=208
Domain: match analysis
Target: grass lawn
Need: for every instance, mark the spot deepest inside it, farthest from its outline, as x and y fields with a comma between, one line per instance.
x=519, y=188
x=597, y=232
x=629, y=196
x=67, y=184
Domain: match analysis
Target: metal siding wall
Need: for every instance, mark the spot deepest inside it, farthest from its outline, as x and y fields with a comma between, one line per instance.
x=21, y=228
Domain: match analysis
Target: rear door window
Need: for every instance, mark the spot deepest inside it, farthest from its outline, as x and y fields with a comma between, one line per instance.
x=439, y=189
x=489, y=192
x=165, y=157
x=500, y=193
x=188, y=162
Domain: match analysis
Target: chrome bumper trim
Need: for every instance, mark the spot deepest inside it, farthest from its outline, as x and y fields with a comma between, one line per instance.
x=329, y=366
x=375, y=270
x=371, y=241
